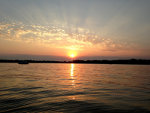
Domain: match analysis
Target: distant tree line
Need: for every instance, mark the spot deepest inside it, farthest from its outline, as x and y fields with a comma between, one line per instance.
x=125, y=61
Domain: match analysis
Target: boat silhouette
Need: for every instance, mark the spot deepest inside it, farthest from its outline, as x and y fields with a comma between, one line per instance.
x=23, y=62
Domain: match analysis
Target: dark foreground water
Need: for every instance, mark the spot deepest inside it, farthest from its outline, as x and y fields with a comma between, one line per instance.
x=74, y=88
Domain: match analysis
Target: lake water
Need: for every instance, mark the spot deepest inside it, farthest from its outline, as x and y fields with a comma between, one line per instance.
x=74, y=88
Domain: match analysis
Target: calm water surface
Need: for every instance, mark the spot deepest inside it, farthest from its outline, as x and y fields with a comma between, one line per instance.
x=74, y=88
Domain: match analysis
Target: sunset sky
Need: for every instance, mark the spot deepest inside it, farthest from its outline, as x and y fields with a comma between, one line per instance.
x=82, y=28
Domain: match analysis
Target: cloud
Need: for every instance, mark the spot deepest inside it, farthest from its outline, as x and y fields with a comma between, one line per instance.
x=58, y=36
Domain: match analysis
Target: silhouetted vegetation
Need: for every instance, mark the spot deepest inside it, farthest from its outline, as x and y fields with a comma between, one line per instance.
x=127, y=61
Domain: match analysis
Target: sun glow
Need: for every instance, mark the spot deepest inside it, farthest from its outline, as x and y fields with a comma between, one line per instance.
x=72, y=54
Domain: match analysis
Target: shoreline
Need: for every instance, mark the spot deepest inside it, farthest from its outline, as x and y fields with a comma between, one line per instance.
x=130, y=61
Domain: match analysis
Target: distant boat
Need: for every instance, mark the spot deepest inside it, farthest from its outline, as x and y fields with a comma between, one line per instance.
x=23, y=62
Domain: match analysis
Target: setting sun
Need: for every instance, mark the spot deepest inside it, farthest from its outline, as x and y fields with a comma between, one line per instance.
x=72, y=55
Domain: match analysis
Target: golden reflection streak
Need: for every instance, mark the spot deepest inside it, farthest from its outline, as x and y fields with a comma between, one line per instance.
x=72, y=77
x=72, y=69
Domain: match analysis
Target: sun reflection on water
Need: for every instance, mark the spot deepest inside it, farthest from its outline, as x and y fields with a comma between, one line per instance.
x=72, y=69
x=72, y=79
x=72, y=75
